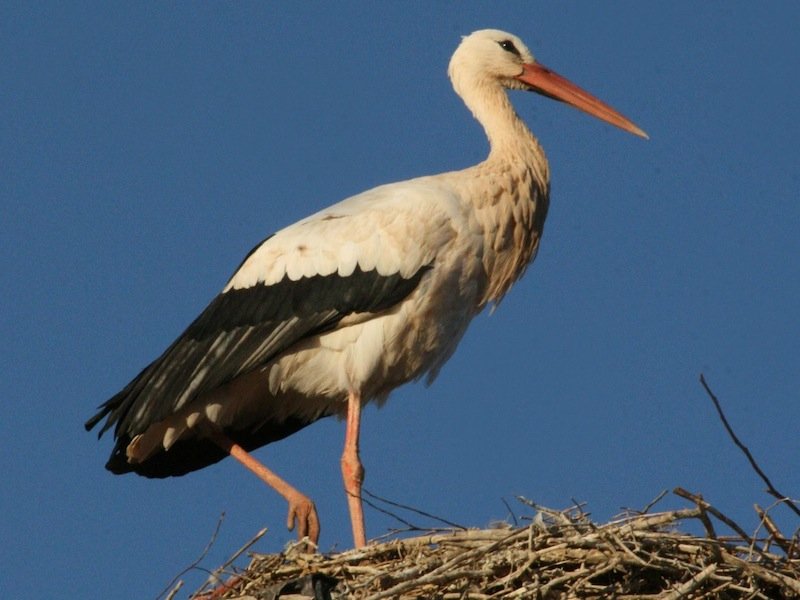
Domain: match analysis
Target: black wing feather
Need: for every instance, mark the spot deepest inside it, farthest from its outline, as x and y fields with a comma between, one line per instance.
x=241, y=330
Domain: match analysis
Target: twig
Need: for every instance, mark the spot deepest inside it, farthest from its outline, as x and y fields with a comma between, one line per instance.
x=214, y=576
x=689, y=586
x=411, y=509
x=774, y=532
x=765, y=574
x=175, y=590
x=199, y=559
x=409, y=525
x=511, y=512
x=653, y=502
x=430, y=579
x=770, y=488
x=701, y=503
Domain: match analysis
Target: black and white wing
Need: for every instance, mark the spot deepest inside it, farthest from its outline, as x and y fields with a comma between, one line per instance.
x=299, y=283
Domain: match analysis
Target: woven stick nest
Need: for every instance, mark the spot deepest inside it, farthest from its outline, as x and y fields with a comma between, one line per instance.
x=559, y=555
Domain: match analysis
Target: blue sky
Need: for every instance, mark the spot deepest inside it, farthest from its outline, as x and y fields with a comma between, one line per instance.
x=145, y=147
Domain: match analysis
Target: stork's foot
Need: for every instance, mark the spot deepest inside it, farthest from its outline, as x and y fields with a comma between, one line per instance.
x=303, y=516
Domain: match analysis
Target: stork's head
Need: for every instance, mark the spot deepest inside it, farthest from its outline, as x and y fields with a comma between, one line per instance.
x=493, y=58
x=490, y=55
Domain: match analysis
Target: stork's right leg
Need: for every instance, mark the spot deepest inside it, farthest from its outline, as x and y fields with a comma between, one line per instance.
x=302, y=511
x=353, y=470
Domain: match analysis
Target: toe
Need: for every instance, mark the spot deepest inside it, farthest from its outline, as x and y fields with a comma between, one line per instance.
x=303, y=515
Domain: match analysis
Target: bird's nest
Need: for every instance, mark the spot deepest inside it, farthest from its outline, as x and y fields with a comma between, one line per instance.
x=560, y=554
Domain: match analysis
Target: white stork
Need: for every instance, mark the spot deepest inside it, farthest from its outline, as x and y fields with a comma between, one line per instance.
x=346, y=305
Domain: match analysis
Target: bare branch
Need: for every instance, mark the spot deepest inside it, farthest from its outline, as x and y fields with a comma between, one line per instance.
x=774, y=532
x=701, y=503
x=510, y=512
x=770, y=488
x=197, y=561
x=411, y=509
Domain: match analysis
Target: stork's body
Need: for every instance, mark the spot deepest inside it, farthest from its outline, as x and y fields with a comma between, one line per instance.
x=346, y=305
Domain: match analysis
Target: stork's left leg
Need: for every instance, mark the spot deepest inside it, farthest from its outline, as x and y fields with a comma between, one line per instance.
x=301, y=509
x=353, y=470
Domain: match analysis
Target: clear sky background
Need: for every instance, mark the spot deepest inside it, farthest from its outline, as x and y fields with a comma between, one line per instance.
x=145, y=147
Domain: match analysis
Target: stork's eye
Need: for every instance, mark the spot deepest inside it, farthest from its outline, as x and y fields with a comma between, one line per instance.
x=509, y=46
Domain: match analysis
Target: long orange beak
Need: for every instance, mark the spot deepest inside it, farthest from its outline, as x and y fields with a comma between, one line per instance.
x=553, y=85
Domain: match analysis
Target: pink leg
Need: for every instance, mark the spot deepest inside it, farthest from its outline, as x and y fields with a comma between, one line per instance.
x=301, y=509
x=353, y=470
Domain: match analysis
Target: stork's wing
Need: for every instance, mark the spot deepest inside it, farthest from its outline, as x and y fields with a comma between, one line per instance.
x=362, y=255
x=241, y=330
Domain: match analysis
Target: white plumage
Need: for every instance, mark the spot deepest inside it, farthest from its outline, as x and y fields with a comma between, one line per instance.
x=351, y=302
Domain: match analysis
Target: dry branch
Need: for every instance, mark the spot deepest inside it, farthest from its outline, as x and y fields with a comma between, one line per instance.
x=770, y=488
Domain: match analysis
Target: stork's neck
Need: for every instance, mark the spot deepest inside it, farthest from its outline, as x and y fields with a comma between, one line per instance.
x=508, y=191
x=510, y=140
